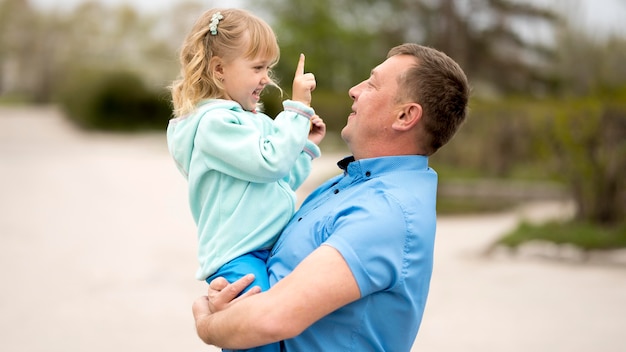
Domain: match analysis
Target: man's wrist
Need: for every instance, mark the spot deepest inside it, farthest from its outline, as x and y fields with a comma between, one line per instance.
x=202, y=322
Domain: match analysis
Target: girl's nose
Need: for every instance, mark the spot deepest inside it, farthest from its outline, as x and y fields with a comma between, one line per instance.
x=266, y=78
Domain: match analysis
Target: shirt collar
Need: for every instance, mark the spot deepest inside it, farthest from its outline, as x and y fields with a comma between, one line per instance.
x=376, y=166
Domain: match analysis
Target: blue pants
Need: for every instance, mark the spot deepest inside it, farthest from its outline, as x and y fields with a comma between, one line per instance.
x=250, y=263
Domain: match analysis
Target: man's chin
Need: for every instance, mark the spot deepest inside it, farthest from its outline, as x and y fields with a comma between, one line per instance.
x=344, y=135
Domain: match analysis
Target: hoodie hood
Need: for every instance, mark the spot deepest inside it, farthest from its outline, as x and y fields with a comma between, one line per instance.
x=181, y=131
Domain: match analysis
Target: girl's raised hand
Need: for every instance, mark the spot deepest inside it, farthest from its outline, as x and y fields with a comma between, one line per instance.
x=303, y=84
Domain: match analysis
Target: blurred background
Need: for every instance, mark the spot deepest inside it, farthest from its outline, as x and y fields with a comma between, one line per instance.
x=549, y=84
x=547, y=127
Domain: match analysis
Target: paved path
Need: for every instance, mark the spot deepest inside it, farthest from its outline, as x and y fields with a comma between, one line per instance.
x=97, y=253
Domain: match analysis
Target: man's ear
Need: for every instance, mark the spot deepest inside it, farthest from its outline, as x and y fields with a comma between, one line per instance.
x=408, y=117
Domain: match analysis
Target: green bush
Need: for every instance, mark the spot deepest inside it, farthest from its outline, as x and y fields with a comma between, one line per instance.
x=117, y=101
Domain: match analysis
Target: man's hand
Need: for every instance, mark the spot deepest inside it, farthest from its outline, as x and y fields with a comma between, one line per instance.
x=303, y=84
x=221, y=295
x=319, y=285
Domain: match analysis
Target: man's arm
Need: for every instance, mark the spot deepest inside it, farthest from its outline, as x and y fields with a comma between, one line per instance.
x=319, y=285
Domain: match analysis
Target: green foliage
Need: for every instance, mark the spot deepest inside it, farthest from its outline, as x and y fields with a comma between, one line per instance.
x=585, y=235
x=500, y=139
x=589, y=138
x=114, y=101
x=581, y=142
x=340, y=47
x=334, y=108
x=345, y=39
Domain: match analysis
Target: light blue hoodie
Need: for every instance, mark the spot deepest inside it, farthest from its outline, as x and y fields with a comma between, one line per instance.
x=242, y=168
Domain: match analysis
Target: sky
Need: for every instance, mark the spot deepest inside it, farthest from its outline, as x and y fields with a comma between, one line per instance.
x=599, y=17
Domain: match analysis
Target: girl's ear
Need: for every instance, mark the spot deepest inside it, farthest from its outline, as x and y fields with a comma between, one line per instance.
x=216, y=65
x=407, y=117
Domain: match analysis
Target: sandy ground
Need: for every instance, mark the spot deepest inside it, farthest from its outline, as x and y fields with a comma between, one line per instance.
x=97, y=253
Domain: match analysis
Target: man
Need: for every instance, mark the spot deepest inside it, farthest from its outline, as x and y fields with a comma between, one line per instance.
x=351, y=271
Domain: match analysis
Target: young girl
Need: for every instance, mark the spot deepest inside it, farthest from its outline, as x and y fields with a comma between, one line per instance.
x=242, y=166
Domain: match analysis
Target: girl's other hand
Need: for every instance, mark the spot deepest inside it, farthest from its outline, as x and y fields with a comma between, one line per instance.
x=318, y=129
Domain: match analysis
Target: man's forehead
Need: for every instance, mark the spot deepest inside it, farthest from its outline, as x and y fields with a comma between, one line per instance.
x=386, y=68
x=376, y=71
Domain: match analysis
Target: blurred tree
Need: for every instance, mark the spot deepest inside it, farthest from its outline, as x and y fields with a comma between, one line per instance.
x=485, y=37
x=40, y=49
x=96, y=35
x=345, y=39
x=589, y=138
x=339, y=47
x=348, y=37
x=172, y=28
x=589, y=65
x=589, y=135
x=19, y=43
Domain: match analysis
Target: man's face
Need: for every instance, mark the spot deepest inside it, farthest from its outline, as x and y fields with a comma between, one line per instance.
x=375, y=107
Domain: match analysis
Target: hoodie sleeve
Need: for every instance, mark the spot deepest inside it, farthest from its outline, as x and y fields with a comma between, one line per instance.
x=253, y=147
x=302, y=167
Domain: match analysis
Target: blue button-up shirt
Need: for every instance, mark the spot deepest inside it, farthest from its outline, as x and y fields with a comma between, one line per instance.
x=380, y=215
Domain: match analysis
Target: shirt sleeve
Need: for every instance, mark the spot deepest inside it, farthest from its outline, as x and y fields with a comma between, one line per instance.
x=371, y=236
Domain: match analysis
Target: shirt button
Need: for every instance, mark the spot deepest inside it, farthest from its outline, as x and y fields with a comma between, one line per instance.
x=336, y=191
x=368, y=174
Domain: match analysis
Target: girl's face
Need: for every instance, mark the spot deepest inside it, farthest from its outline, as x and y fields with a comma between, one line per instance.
x=244, y=79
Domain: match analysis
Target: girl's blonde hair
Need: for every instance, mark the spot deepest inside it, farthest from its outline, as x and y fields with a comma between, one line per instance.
x=239, y=34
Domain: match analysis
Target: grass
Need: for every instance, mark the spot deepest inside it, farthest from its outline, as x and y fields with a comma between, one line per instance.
x=583, y=235
x=464, y=205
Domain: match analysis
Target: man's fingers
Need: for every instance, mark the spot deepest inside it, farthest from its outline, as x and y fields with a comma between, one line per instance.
x=251, y=292
x=218, y=284
x=300, y=67
x=236, y=287
x=200, y=306
x=221, y=293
